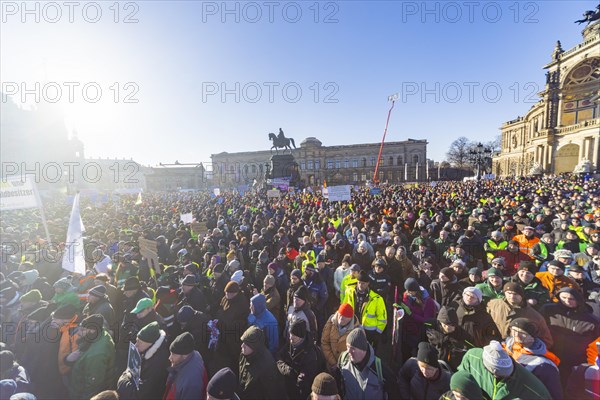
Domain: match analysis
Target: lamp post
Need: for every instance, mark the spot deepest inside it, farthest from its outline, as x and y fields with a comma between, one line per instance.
x=479, y=154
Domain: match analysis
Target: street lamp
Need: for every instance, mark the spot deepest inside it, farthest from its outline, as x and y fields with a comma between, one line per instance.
x=479, y=154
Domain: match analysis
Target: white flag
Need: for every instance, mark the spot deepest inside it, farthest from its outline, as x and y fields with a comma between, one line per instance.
x=186, y=218
x=139, y=199
x=73, y=258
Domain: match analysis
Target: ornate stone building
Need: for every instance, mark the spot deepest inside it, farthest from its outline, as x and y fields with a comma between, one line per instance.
x=403, y=161
x=562, y=130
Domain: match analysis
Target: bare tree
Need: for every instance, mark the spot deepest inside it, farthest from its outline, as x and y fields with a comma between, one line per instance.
x=458, y=153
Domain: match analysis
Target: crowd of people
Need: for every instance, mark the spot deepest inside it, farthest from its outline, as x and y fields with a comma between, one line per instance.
x=460, y=290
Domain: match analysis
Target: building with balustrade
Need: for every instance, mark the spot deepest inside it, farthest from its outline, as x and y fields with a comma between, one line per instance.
x=561, y=132
x=401, y=161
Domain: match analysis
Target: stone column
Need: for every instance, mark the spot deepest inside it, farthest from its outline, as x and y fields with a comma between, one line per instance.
x=596, y=153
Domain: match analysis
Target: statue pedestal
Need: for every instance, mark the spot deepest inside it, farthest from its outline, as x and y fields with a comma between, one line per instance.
x=284, y=166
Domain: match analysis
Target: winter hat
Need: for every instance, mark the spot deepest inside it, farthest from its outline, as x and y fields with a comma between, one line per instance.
x=524, y=324
x=363, y=276
x=254, y=337
x=94, y=321
x=33, y=296
x=358, y=338
x=8, y=387
x=499, y=260
x=464, y=383
x=237, y=276
x=23, y=396
x=297, y=273
x=189, y=280
x=475, y=271
x=185, y=314
x=301, y=293
x=63, y=283
x=269, y=280
x=183, y=344
x=475, y=292
x=232, y=287
x=30, y=276
x=411, y=285
x=448, y=273
x=324, y=385
x=67, y=311
x=428, y=354
x=223, y=384
x=346, y=310
x=556, y=263
x=494, y=272
x=513, y=287
x=355, y=267
x=132, y=283
x=150, y=333
x=310, y=266
x=219, y=268
x=298, y=328
x=448, y=316
x=141, y=305
x=98, y=291
x=496, y=360
x=527, y=266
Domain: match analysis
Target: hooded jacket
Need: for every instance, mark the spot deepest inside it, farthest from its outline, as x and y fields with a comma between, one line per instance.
x=299, y=366
x=263, y=319
x=477, y=324
x=259, y=377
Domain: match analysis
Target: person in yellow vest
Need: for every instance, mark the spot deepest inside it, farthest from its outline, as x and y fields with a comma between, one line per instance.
x=368, y=307
x=349, y=280
x=308, y=257
x=527, y=240
x=543, y=251
x=494, y=244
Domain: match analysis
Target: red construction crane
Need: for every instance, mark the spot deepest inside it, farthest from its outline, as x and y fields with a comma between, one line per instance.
x=393, y=99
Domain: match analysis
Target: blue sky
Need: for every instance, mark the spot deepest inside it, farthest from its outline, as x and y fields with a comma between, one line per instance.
x=346, y=58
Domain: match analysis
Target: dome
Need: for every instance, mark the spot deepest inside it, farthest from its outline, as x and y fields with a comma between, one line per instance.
x=311, y=141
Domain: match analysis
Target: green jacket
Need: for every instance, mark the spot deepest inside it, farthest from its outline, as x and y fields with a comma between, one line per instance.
x=521, y=384
x=488, y=292
x=93, y=372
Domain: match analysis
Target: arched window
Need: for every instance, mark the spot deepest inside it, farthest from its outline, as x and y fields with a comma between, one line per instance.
x=400, y=160
x=415, y=158
x=391, y=161
x=364, y=162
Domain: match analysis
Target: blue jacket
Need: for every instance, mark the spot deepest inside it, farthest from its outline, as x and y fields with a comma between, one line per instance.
x=318, y=290
x=264, y=319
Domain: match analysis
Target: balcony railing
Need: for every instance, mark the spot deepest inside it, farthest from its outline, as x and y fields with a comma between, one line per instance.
x=582, y=125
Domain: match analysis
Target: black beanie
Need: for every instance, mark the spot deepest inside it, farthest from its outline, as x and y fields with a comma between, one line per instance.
x=428, y=354
x=94, y=321
x=448, y=273
x=524, y=324
x=223, y=384
x=411, y=285
x=298, y=328
x=183, y=344
x=448, y=316
x=363, y=276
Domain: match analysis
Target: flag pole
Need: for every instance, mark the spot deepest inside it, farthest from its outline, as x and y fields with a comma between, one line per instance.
x=393, y=99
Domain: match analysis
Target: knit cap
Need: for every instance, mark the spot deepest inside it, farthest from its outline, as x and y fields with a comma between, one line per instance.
x=496, y=360
x=185, y=314
x=253, y=337
x=297, y=273
x=183, y=344
x=298, y=328
x=411, y=285
x=269, y=280
x=448, y=273
x=98, y=291
x=232, y=287
x=150, y=333
x=494, y=272
x=428, y=354
x=358, y=338
x=237, y=276
x=464, y=383
x=346, y=310
x=301, y=293
x=448, y=316
x=475, y=292
x=524, y=324
x=33, y=296
x=223, y=384
x=513, y=287
x=324, y=385
x=63, y=283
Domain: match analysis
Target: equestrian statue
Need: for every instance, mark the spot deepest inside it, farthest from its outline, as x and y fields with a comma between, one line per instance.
x=590, y=16
x=280, y=141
